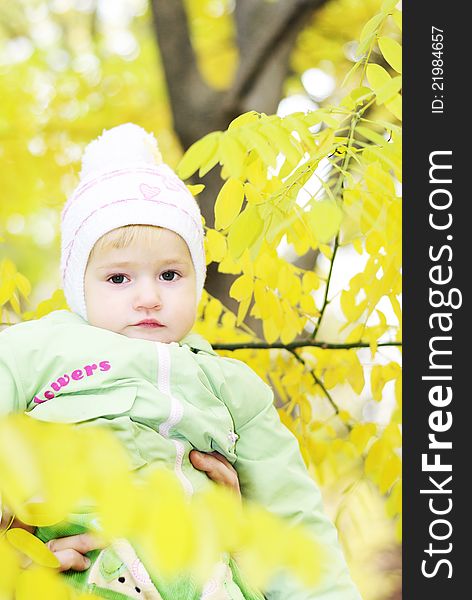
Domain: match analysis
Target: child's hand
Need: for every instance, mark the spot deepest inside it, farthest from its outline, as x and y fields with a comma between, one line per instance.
x=68, y=550
x=71, y=550
x=218, y=469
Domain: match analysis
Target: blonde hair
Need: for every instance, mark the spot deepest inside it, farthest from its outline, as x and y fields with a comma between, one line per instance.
x=122, y=237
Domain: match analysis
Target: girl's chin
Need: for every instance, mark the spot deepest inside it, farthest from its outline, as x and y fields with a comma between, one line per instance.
x=160, y=334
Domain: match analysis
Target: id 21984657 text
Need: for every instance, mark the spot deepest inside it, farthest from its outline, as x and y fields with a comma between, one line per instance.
x=437, y=70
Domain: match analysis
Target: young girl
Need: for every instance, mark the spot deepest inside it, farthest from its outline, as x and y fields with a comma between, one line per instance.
x=133, y=267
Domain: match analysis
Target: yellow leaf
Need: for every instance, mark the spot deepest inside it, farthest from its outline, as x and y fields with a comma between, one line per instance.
x=260, y=298
x=15, y=304
x=253, y=196
x=394, y=501
x=246, y=263
x=361, y=434
x=371, y=135
x=270, y=329
x=266, y=268
x=276, y=311
x=392, y=52
x=228, y=203
x=384, y=86
x=232, y=155
x=374, y=242
x=397, y=17
x=10, y=561
x=286, y=142
x=229, y=265
x=378, y=180
x=242, y=288
x=358, y=245
x=390, y=473
x=367, y=33
x=356, y=334
x=33, y=547
x=242, y=310
x=195, y=189
x=216, y=245
x=308, y=305
x=324, y=219
x=351, y=310
x=388, y=6
x=355, y=377
x=245, y=231
x=326, y=251
x=310, y=282
x=41, y=584
x=199, y=153
x=244, y=119
x=377, y=456
x=395, y=106
x=377, y=76
x=392, y=435
x=261, y=145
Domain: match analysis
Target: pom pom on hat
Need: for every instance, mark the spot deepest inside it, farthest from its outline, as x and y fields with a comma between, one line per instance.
x=120, y=147
x=124, y=181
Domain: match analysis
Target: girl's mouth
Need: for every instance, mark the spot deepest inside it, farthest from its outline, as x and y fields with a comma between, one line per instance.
x=149, y=323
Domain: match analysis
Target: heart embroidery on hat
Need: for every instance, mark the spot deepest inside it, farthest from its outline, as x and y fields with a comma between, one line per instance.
x=148, y=191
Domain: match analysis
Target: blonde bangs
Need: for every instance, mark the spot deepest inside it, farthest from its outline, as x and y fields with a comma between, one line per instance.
x=122, y=237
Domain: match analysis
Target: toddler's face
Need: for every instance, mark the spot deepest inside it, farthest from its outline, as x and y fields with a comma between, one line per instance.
x=143, y=293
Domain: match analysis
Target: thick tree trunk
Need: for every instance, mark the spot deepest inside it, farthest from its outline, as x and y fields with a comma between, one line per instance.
x=266, y=32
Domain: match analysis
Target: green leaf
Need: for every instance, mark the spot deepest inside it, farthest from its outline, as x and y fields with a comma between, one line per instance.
x=392, y=52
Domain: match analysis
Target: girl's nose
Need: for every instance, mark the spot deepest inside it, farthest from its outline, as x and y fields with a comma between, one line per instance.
x=148, y=296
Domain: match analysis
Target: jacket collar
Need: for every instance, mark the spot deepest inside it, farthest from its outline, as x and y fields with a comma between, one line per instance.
x=196, y=342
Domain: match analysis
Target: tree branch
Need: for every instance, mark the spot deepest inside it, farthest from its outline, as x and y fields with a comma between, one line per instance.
x=318, y=382
x=300, y=344
x=354, y=120
x=261, y=45
x=190, y=96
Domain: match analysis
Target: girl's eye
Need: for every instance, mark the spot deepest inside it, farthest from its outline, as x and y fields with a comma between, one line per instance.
x=169, y=275
x=117, y=278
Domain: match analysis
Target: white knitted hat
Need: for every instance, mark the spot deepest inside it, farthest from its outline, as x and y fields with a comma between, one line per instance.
x=124, y=182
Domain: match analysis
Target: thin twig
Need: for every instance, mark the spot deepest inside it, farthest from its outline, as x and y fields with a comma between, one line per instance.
x=318, y=382
x=300, y=344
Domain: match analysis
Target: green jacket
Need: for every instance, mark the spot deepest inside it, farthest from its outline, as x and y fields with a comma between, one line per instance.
x=167, y=399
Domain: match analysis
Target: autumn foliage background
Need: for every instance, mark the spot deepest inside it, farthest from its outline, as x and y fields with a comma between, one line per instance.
x=301, y=202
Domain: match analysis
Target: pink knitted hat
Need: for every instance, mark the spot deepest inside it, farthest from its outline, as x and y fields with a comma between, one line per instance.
x=123, y=181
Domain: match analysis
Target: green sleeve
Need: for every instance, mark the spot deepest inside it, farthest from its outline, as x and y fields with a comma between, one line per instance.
x=272, y=472
x=11, y=397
